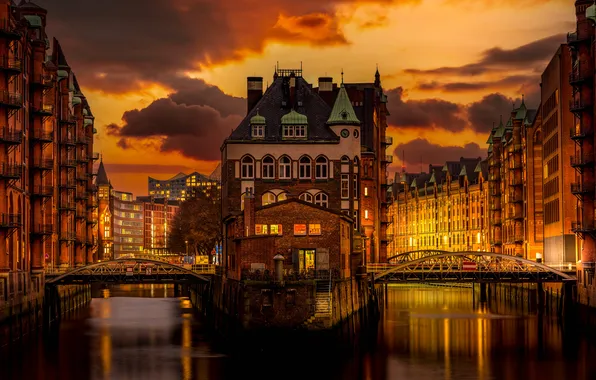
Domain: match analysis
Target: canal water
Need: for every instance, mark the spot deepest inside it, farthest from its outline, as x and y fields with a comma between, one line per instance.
x=429, y=333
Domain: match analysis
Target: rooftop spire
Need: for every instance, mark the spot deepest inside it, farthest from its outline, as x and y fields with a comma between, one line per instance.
x=522, y=99
x=343, y=112
x=342, y=76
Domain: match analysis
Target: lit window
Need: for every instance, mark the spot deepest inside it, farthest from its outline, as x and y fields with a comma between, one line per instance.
x=267, y=199
x=365, y=214
x=261, y=229
x=282, y=197
x=345, y=186
x=314, y=229
x=300, y=229
x=285, y=168
x=306, y=197
x=247, y=167
x=275, y=229
x=305, y=166
x=355, y=187
x=321, y=168
x=322, y=200
x=268, y=168
x=366, y=191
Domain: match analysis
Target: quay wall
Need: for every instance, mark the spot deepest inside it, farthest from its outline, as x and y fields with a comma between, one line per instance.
x=22, y=304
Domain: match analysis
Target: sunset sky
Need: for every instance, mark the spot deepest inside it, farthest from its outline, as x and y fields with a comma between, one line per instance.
x=166, y=78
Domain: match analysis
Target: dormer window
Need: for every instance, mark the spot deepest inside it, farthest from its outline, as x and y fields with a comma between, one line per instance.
x=258, y=131
x=294, y=131
x=257, y=124
x=294, y=126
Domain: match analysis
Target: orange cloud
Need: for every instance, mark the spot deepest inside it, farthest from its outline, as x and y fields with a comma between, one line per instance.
x=313, y=28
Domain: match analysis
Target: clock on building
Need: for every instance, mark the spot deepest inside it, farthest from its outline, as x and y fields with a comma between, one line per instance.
x=345, y=133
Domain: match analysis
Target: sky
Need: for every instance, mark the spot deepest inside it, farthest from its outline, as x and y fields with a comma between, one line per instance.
x=166, y=79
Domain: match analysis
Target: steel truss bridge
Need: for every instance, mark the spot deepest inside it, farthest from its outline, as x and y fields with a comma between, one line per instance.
x=131, y=271
x=443, y=266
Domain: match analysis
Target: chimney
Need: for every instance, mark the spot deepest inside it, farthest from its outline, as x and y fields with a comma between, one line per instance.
x=292, y=90
x=325, y=84
x=249, y=212
x=254, y=92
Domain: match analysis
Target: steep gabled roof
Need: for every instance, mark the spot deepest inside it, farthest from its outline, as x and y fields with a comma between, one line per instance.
x=102, y=176
x=343, y=112
x=271, y=107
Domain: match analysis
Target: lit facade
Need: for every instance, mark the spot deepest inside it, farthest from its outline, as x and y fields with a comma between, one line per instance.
x=158, y=221
x=48, y=203
x=184, y=186
x=444, y=209
x=581, y=78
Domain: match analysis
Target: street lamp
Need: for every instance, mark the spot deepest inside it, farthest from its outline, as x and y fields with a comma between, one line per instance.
x=186, y=241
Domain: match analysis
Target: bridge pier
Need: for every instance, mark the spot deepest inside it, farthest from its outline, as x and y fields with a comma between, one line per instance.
x=568, y=300
x=540, y=295
x=176, y=290
x=483, y=292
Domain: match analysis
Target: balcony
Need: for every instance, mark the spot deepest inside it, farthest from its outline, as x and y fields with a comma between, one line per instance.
x=8, y=30
x=515, y=198
x=496, y=222
x=582, y=227
x=518, y=238
x=388, y=141
x=494, y=178
x=68, y=163
x=10, y=137
x=494, y=162
x=578, y=105
x=574, y=38
x=10, y=171
x=515, y=166
x=80, y=214
x=43, y=80
x=577, y=133
x=43, y=109
x=43, y=164
x=516, y=215
x=387, y=159
x=68, y=184
x=81, y=196
x=495, y=193
x=11, y=65
x=95, y=156
x=91, y=242
x=43, y=191
x=83, y=140
x=496, y=241
x=92, y=204
x=582, y=188
x=43, y=229
x=11, y=99
x=10, y=221
x=516, y=182
x=582, y=160
x=68, y=140
x=71, y=120
x=66, y=206
x=43, y=136
x=92, y=221
x=580, y=73
x=68, y=236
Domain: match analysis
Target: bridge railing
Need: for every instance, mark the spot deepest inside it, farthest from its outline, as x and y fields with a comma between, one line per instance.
x=196, y=268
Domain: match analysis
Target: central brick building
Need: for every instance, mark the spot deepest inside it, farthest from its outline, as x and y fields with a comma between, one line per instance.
x=322, y=146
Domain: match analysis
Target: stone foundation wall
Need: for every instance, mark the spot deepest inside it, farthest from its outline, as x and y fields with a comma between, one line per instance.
x=22, y=304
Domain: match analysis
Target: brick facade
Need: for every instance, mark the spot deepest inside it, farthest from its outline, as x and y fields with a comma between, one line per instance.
x=251, y=252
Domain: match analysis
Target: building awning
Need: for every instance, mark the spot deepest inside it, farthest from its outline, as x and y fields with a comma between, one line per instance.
x=34, y=21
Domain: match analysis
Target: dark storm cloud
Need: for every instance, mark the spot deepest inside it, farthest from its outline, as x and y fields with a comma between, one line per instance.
x=194, y=131
x=498, y=59
x=428, y=113
x=513, y=81
x=116, y=45
x=421, y=152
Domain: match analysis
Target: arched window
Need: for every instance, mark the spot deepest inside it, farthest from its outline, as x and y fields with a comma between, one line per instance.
x=267, y=199
x=282, y=197
x=305, y=166
x=268, y=168
x=248, y=166
x=345, y=160
x=322, y=200
x=321, y=168
x=306, y=197
x=285, y=168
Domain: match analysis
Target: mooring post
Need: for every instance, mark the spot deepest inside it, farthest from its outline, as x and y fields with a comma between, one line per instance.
x=176, y=290
x=540, y=295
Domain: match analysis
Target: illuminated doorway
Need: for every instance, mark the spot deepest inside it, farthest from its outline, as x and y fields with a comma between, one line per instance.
x=306, y=259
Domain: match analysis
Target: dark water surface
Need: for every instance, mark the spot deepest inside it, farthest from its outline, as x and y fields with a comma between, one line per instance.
x=425, y=333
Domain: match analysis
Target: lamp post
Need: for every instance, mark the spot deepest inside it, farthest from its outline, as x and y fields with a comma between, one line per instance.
x=186, y=241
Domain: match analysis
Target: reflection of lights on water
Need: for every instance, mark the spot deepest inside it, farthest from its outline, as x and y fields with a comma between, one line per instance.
x=447, y=342
x=152, y=290
x=186, y=348
x=105, y=293
x=106, y=351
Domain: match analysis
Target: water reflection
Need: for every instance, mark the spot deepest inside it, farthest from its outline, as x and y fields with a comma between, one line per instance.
x=424, y=334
